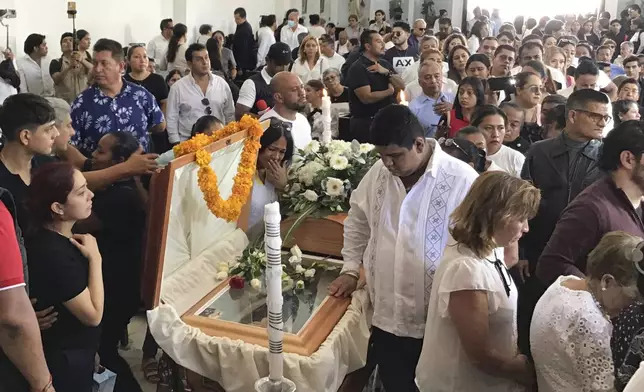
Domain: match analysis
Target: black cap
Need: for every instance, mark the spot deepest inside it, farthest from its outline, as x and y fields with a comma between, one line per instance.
x=280, y=54
x=66, y=35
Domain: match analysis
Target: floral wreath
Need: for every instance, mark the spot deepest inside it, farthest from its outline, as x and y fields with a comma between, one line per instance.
x=229, y=209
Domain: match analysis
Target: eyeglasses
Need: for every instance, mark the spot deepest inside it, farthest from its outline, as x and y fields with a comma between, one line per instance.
x=452, y=143
x=330, y=78
x=596, y=117
x=206, y=103
x=421, y=28
x=506, y=278
x=285, y=125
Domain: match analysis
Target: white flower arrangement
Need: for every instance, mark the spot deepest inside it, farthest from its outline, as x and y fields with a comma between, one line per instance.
x=320, y=181
x=252, y=264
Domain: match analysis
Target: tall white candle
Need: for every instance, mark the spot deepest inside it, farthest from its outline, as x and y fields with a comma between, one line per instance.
x=401, y=99
x=274, y=297
x=326, y=117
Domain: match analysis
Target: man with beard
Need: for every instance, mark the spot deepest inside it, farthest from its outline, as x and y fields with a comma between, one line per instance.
x=402, y=55
x=396, y=229
x=289, y=98
x=372, y=84
x=612, y=203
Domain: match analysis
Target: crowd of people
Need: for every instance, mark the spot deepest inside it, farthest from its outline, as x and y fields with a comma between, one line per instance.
x=500, y=233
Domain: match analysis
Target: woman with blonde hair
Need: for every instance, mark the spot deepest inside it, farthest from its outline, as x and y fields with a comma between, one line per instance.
x=557, y=58
x=570, y=334
x=470, y=336
x=310, y=65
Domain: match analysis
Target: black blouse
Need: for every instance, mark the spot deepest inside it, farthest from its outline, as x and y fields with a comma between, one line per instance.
x=627, y=344
x=58, y=272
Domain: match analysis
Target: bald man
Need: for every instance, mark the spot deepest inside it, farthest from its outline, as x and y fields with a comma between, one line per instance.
x=433, y=103
x=289, y=99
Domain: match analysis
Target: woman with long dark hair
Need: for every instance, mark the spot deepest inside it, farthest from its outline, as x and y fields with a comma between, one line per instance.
x=470, y=95
x=119, y=218
x=65, y=271
x=274, y=156
x=175, y=57
x=140, y=74
x=226, y=56
x=452, y=41
x=479, y=31
x=457, y=63
x=587, y=34
x=213, y=46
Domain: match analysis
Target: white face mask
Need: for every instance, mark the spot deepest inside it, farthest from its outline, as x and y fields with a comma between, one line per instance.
x=291, y=23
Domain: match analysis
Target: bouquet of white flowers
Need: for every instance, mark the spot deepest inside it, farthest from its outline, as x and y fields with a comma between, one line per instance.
x=322, y=177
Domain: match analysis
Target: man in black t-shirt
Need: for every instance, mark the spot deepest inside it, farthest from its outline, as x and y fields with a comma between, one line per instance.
x=402, y=55
x=372, y=85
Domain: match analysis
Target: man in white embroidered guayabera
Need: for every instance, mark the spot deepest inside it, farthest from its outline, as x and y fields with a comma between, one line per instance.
x=571, y=328
x=397, y=229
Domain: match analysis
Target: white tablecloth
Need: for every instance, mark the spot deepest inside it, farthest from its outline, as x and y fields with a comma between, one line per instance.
x=237, y=365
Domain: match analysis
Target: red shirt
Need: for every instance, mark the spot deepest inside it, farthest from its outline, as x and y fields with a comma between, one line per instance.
x=11, y=274
x=456, y=124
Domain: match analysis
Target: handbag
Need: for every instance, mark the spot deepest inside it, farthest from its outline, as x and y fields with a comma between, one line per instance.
x=104, y=381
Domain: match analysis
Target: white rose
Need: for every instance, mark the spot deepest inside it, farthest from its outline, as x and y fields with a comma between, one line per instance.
x=296, y=251
x=296, y=187
x=256, y=284
x=312, y=147
x=299, y=284
x=309, y=273
x=221, y=275
x=334, y=186
x=308, y=172
x=299, y=269
x=366, y=147
x=338, y=162
x=293, y=260
x=223, y=267
x=310, y=195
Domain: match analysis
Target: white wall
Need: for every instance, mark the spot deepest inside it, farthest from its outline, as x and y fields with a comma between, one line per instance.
x=130, y=21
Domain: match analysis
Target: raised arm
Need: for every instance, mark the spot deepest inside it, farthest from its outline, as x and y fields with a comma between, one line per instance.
x=87, y=306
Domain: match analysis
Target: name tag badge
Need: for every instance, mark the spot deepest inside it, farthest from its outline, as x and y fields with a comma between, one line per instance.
x=401, y=63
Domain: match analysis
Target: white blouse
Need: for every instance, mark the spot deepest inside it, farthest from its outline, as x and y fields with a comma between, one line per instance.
x=305, y=73
x=444, y=366
x=263, y=193
x=570, y=342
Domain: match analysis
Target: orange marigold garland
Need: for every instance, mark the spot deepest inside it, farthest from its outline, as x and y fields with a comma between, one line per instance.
x=229, y=209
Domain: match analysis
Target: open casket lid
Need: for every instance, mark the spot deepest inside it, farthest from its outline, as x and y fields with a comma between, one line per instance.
x=185, y=240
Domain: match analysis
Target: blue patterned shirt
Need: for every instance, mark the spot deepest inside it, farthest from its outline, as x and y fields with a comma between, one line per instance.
x=94, y=114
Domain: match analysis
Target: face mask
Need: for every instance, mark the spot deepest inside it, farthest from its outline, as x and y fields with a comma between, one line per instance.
x=291, y=24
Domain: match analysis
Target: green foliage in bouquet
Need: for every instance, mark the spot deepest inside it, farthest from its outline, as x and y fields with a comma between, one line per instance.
x=251, y=265
x=322, y=177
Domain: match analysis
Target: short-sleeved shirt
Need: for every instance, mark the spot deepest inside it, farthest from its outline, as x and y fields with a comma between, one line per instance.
x=154, y=83
x=58, y=272
x=94, y=114
x=342, y=98
x=11, y=273
x=18, y=189
x=358, y=77
x=401, y=59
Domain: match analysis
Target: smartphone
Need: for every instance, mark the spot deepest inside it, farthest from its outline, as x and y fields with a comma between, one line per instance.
x=501, y=84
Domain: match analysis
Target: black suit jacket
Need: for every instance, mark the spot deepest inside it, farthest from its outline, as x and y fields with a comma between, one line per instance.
x=244, y=47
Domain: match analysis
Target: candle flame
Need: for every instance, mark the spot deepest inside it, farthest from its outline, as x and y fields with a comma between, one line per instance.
x=324, y=93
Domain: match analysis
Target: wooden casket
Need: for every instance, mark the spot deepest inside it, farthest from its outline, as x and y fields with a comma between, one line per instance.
x=210, y=328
